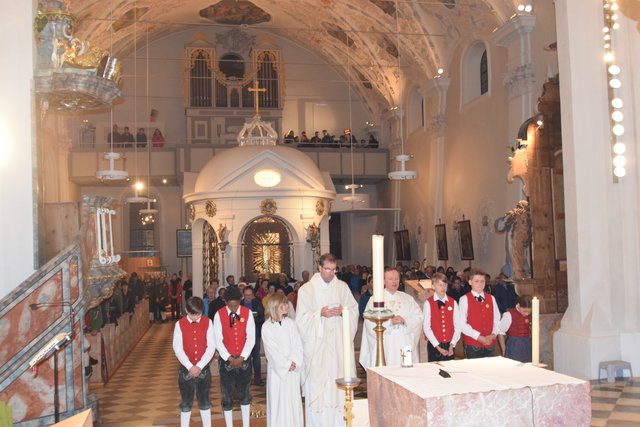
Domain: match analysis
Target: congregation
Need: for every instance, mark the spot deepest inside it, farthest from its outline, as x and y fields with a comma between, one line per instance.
x=346, y=139
x=298, y=323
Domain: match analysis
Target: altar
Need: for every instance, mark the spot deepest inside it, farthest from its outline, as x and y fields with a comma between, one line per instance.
x=480, y=392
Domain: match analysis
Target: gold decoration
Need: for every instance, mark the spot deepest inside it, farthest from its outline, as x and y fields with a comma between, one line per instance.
x=268, y=207
x=192, y=211
x=320, y=207
x=211, y=208
x=266, y=253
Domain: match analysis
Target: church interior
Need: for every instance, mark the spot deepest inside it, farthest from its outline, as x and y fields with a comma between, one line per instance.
x=235, y=137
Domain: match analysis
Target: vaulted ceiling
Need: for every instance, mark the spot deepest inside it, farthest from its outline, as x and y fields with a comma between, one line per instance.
x=361, y=37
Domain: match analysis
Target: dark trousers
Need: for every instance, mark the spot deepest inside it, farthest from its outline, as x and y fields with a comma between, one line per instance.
x=434, y=354
x=175, y=309
x=472, y=352
x=255, y=360
x=234, y=379
x=201, y=385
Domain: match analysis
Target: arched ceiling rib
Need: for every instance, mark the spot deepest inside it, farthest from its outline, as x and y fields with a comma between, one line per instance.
x=429, y=31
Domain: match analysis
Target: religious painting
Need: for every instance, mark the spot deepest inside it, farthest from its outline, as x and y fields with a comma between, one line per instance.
x=183, y=243
x=441, y=242
x=466, y=241
x=403, y=245
x=235, y=12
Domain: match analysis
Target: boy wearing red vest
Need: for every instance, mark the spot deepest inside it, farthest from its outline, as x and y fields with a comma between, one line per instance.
x=234, y=330
x=480, y=316
x=516, y=324
x=194, y=346
x=441, y=321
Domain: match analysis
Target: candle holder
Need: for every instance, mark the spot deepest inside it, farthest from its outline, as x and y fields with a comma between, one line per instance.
x=347, y=386
x=379, y=316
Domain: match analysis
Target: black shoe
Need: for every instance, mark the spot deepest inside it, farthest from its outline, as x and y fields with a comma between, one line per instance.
x=258, y=383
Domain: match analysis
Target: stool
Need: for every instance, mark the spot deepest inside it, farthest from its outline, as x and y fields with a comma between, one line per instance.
x=612, y=366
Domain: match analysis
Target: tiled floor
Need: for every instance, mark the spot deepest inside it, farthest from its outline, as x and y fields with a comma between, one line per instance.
x=616, y=404
x=143, y=392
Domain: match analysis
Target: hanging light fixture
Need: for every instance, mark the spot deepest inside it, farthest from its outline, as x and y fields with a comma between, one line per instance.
x=402, y=174
x=112, y=174
x=148, y=215
x=353, y=197
x=138, y=185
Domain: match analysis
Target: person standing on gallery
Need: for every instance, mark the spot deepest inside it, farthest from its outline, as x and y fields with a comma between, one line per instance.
x=480, y=317
x=441, y=321
x=516, y=325
x=234, y=330
x=320, y=304
x=194, y=346
x=402, y=330
x=283, y=348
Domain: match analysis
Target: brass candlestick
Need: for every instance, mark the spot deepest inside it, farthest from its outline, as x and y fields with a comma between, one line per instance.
x=347, y=386
x=379, y=316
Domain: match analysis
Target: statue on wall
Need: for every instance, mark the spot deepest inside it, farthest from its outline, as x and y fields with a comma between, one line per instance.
x=516, y=224
x=314, y=239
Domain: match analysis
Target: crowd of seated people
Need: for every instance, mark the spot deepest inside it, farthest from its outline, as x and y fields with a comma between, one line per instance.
x=346, y=139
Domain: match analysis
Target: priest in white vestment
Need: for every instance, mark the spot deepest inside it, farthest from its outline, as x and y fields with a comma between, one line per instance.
x=404, y=329
x=283, y=348
x=319, y=310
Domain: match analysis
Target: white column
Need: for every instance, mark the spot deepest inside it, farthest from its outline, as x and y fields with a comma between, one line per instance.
x=436, y=125
x=17, y=244
x=601, y=225
x=196, y=259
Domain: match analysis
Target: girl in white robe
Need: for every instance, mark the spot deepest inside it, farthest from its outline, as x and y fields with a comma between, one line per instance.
x=283, y=348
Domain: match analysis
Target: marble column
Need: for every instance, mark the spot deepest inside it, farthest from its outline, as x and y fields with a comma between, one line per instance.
x=602, y=320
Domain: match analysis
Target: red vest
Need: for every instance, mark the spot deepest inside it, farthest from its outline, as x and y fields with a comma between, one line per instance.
x=520, y=325
x=480, y=317
x=442, y=319
x=234, y=338
x=194, y=337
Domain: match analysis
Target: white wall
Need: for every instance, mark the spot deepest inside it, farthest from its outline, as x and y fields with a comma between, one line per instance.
x=17, y=245
x=316, y=96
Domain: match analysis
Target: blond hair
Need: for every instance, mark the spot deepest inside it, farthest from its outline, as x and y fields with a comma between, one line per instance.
x=271, y=310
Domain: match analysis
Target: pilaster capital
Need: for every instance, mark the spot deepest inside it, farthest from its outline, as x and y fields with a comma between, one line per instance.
x=514, y=29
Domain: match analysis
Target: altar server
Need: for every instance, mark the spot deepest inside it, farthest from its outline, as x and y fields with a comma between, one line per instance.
x=234, y=330
x=194, y=346
x=480, y=316
x=442, y=325
x=516, y=325
x=403, y=330
x=283, y=348
x=320, y=306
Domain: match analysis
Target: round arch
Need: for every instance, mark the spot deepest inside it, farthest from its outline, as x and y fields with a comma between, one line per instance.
x=267, y=247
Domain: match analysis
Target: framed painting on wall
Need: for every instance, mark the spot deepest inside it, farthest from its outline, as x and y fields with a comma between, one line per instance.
x=183, y=243
x=466, y=241
x=403, y=245
x=441, y=242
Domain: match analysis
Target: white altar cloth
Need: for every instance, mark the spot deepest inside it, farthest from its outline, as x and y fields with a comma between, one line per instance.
x=480, y=392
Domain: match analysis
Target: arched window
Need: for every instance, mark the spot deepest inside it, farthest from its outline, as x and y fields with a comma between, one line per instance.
x=484, y=73
x=475, y=72
x=416, y=111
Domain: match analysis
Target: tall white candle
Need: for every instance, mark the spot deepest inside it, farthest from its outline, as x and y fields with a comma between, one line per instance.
x=377, y=250
x=535, y=331
x=346, y=343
